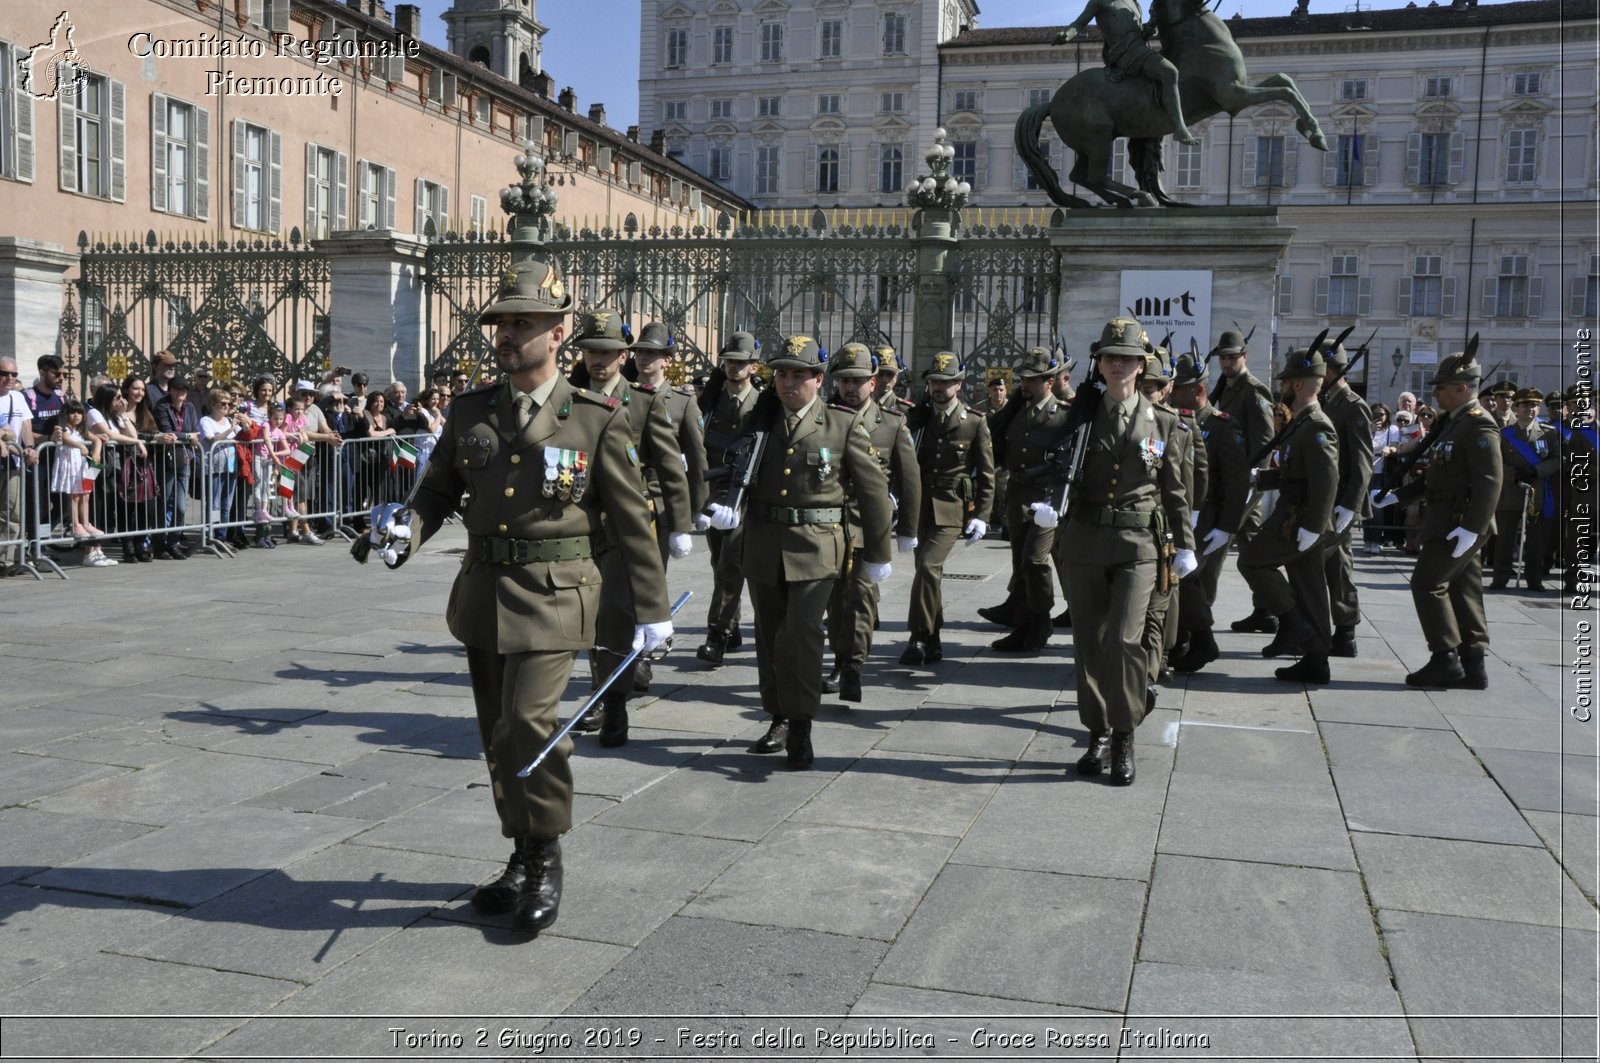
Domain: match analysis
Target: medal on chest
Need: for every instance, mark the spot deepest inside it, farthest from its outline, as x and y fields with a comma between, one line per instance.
x=826, y=468
x=1151, y=450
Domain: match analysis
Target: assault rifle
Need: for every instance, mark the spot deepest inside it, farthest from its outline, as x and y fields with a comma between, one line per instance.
x=1272, y=444
x=1399, y=467
x=1361, y=352
x=744, y=454
x=1068, y=454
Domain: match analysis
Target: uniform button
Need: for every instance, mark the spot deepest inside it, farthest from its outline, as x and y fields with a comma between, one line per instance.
x=786, y=472
x=516, y=459
x=583, y=579
x=1111, y=494
x=1114, y=465
x=504, y=528
x=790, y=450
x=783, y=493
x=510, y=491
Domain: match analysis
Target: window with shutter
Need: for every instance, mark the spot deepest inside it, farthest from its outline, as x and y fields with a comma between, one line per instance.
x=274, y=182
x=202, y=164
x=158, y=152
x=119, y=146
x=480, y=214
x=1285, y=294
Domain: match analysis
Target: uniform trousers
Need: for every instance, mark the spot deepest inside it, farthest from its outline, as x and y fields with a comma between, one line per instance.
x=926, y=615
x=1031, y=545
x=852, y=614
x=789, y=644
x=1109, y=606
x=517, y=695
x=614, y=624
x=1511, y=526
x=1160, y=626
x=1247, y=531
x=727, y=587
x=1198, y=591
x=1338, y=564
x=1282, y=578
x=1448, y=593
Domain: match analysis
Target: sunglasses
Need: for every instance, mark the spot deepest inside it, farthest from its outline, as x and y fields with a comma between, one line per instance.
x=8, y=373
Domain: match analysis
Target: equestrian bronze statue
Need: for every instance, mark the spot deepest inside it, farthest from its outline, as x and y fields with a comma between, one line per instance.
x=1145, y=95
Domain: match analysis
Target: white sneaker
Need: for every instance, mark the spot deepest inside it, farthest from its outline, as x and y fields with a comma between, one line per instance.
x=99, y=561
x=311, y=538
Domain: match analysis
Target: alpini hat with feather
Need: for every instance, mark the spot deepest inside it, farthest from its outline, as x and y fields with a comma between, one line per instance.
x=852, y=361
x=1124, y=336
x=798, y=352
x=533, y=286
x=1460, y=368
x=947, y=365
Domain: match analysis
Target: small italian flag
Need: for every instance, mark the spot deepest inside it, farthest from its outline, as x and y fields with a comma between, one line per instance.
x=91, y=473
x=405, y=454
x=286, y=482
x=301, y=455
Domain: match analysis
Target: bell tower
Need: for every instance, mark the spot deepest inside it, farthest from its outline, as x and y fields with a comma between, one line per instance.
x=502, y=35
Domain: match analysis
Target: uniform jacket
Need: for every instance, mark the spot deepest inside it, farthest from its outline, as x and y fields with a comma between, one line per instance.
x=728, y=420
x=1139, y=473
x=957, y=464
x=1352, y=419
x=891, y=445
x=656, y=437
x=1228, y=482
x=1545, y=443
x=1306, y=477
x=1031, y=433
x=1462, y=483
x=1249, y=402
x=827, y=458
x=542, y=606
x=1196, y=463
x=690, y=426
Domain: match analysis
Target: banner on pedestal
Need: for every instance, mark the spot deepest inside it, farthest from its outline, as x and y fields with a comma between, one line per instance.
x=1170, y=300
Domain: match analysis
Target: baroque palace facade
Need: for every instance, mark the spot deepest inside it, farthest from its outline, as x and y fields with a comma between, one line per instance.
x=1459, y=195
x=232, y=120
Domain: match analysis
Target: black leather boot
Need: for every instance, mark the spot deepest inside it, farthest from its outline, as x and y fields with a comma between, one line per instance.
x=643, y=674
x=797, y=746
x=1312, y=668
x=850, y=683
x=715, y=646
x=916, y=653
x=1476, y=676
x=1122, y=758
x=1006, y=614
x=1442, y=672
x=1093, y=761
x=1031, y=634
x=1293, y=637
x=1259, y=620
x=735, y=640
x=1063, y=618
x=933, y=649
x=1202, y=651
x=590, y=723
x=773, y=740
x=501, y=894
x=830, y=682
x=1344, y=641
x=614, y=720
x=540, y=896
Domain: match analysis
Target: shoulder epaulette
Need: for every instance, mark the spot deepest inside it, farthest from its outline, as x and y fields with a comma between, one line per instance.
x=1181, y=412
x=841, y=406
x=608, y=401
x=1224, y=414
x=685, y=390
x=646, y=388
x=895, y=412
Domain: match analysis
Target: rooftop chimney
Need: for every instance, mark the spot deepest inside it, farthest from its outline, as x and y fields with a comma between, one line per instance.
x=408, y=20
x=568, y=99
x=597, y=113
x=540, y=84
x=633, y=133
x=658, y=141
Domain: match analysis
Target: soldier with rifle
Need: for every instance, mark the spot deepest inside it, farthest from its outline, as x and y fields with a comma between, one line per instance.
x=1352, y=420
x=726, y=403
x=1248, y=402
x=1459, y=492
x=1121, y=495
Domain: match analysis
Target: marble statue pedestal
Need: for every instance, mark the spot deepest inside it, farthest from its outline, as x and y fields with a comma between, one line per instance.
x=376, y=300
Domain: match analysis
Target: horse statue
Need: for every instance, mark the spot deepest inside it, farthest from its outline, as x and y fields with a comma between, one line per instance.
x=1095, y=107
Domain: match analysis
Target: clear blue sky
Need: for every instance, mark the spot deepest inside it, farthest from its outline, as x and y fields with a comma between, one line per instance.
x=593, y=45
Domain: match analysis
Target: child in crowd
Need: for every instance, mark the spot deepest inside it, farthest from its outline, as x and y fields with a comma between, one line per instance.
x=72, y=461
x=285, y=429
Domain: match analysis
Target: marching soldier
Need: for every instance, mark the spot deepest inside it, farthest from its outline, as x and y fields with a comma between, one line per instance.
x=795, y=540
x=604, y=341
x=1352, y=420
x=1220, y=513
x=1283, y=563
x=1531, y=457
x=999, y=391
x=541, y=463
x=1031, y=432
x=1248, y=402
x=727, y=409
x=1459, y=491
x=890, y=366
x=652, y=353
x=1161, y=624
x=957, y=463
x=1125, y=511
x=853, y=608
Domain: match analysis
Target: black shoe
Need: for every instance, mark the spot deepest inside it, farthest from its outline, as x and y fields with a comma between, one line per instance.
x=1293, y=637
x=1312, y=668
x=144, y=555
x=1005, y=614
x=1122, y=758
x=128, y=556
x=1344, y=641
x=1063, y=619
x=614, y=724
x=1259, y=621
x=1030, y=636
x=735, y=640
x=501, y=894
x=1442, y=672
x=1202, y=651
x=915, y=655
x=643, y=673
x=1535, y=586
x=1093, y=761
x=850, y=684
x=797, y=746
x=932, y=648
x=830, y=682
x=1499, y=583
x=1475, y=675
x=716, y=645
x=540, y=896
x=181, y=550
x=589, y=724
x=774, y=739
x=1149, y=700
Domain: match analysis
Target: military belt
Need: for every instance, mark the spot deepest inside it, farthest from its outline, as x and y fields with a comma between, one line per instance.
x=1108, y=517
x=948, y=483
x=791, y=515
x=1446, y=494
x=494, y=550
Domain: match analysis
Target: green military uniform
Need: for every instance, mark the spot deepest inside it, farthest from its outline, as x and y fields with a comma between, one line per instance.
x=688, y=425
x=795, y=543
x=1128, y=500
x=1161, y=623
x=1352, y=420
x=727, y=418
x=1285, y=573
x=1458, y=490
x=1248, y=402
x=956, y=459
x=1532, y=459
x=853, y=607
x=1221, y=508
x=991, y=413
x=526, y=595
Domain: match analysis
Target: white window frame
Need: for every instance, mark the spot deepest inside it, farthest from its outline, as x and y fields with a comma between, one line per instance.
x=677, y=49
x=827, y=173
x=257, y=177
x=719, y=163
x=722, y=109
x=769, y=159
x=479, y=213
x=895, y=25
x=1344, y=286
x=1188, y=165
x=769, y=106
x=891, y=168
x=375, y=196
x=180, y=157
x=1522, y=156
x=891, y=101
x=1038, y=96
x=1353, y=89
x=16, y=121
x=1513, y=287
x=101, y=173
x=830, y=42
x=828, y=103
x=1527, y=83
x=1427, y=286
x=1270, y=148
x=1433, y=160
x=327, y=190
x=1438, y=87
x=674, y=111
x=721, y=45
x=964, y=100
x=964, y=163
x=432, y=203
x=771, y=42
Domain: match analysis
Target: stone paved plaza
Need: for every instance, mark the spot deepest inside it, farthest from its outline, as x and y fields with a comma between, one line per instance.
x=244, y=799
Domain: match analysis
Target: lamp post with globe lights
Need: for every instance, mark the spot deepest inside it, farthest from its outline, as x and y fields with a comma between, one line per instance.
x=530, y=202
x=937, y=196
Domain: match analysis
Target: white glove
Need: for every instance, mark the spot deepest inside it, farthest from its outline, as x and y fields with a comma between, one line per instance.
x=1381, y=498
x=1183, y=563
x=1305, y=539
x=701, y=522
x=876, y=572
x=1342, y=518
x=685, y=459
x=679, y=544
x=647, y=637
x=723, y=518
x=975, y=530
x=1194, y=519
x=1465, y=541
x=1044, y=514
x=905, y=543
x=1215, y=540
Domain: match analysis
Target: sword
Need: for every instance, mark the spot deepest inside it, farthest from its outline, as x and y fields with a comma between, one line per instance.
x=594, y=699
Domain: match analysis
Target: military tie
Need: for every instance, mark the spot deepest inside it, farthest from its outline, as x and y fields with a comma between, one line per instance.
x=791, y=421
x=524, y=405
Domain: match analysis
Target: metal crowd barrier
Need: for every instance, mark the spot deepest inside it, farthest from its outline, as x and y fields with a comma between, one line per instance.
x=376, y=471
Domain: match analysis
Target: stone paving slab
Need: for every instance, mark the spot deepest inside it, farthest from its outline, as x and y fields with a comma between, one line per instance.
x=1266, y=822
x=47, y=930
x=1571, y=838
x=1284, y=756
x=1545, y=782
x=965, y=1025
x=27, y=777
x=176, y=789
x=34, y=729
x=1396, y=749
x=1551, y=732
x=33, y=841
x=965, y=731
x=756, y=795
x=141, y=744
x=907, y=792
x=1438, y=806
x=1512, y=883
